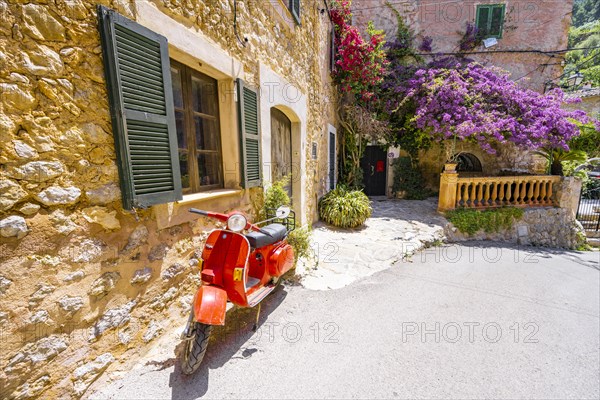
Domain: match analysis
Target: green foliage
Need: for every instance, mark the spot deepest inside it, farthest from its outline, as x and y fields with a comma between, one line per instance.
x=585, y=11
x=557, y=156
x=276, y=195
x=299, y=239
x=345, y=208
x=586, y=59
x=472, y=221
x=408, y=178
x=587, y=141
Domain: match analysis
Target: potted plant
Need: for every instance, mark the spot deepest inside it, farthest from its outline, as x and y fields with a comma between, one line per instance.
x=451, y=155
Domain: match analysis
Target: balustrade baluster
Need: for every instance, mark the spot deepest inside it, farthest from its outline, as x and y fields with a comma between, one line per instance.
x=501, y=198
x=508, y=192
x=473, y=193
x=530, y=193
x=550, y=188
x=486, y=197
x=466, y=195
x=523, y=192
x=543, y=198
x=536, y=193
x=459, y=193
x=494, y=194
x=480, y=194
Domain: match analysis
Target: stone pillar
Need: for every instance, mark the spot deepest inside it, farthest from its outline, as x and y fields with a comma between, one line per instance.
x=568, y=193
x=448, y=183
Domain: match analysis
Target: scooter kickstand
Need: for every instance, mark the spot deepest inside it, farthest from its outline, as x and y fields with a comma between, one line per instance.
x=257, y=317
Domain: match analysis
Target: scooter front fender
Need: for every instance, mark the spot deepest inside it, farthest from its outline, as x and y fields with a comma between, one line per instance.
x=210, y=305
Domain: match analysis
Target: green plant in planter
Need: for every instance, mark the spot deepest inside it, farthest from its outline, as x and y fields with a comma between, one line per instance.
x=345, y=208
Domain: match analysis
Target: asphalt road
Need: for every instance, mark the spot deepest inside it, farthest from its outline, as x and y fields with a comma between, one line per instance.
x=456, y=322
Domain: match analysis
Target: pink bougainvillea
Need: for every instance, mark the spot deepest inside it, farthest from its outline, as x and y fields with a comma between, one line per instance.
x=360, y=63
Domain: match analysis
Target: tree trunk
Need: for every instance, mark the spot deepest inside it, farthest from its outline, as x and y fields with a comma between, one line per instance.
x=556, y=168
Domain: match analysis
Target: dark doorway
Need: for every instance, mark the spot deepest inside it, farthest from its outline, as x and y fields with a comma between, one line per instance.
x=281, y=148
x=374, y=167
x=331, y=160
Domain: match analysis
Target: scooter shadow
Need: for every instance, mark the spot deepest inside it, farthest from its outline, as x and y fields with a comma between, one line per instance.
x=224, y=343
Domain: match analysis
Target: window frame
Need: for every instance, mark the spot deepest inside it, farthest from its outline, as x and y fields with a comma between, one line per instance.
x=490, y=8
x=295, y=15
x=187, y=73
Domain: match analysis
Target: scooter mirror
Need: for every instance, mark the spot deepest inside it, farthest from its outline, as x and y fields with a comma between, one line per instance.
x=282, y=212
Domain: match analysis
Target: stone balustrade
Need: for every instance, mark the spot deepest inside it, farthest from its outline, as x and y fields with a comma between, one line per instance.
x=500, y=191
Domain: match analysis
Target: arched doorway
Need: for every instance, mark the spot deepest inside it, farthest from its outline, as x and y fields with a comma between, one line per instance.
x=468, y=162
x=281, y=148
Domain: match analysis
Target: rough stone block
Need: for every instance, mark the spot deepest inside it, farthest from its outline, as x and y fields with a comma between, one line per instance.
x=104, y=284
x=11, y=193
x=56, y=195
x=13, y=226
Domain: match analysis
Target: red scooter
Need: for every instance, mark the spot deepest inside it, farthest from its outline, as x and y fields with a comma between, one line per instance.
x=236, y=267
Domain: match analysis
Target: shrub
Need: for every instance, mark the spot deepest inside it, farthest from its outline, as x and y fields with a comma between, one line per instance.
x=345, y=208
x=276, y=196
x=409, y=179
x=472, y=221
x=299, y=239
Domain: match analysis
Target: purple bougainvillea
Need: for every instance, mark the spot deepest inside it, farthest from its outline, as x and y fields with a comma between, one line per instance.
x=426, y=44
x=473, y=102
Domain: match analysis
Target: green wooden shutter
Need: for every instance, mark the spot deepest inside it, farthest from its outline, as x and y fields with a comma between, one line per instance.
x=137, y=69
x=483, y=18
x=249, y=119
x=497, y=21
x=294, y=7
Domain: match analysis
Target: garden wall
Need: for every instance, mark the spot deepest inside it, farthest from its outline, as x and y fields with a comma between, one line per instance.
x=509, y=160
x=554, y=227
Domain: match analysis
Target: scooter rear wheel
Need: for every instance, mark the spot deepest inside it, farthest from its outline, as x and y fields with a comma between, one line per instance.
x=195, y=348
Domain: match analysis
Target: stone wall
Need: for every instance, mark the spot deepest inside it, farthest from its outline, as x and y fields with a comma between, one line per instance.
x=529, y=25
x=554, y=227
x=508, y=160
x=84, y=283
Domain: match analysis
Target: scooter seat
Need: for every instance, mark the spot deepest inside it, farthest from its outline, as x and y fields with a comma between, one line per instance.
x=269, y=234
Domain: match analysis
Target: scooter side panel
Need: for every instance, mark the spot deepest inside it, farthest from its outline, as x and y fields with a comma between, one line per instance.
x=210, y=305
x=230, y=251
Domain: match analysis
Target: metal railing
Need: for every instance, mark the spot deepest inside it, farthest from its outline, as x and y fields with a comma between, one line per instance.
x=588, y=212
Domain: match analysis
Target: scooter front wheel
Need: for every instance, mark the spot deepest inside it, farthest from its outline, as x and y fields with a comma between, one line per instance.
x=195, y=348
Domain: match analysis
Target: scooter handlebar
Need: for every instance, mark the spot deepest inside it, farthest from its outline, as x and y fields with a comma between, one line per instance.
x=196, y=211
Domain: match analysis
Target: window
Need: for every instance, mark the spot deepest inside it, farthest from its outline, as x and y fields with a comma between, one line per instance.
x=490, y=20
x=294, y=7
x=195, y=98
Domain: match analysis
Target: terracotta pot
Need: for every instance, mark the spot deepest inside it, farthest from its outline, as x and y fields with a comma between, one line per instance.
x=450, y=167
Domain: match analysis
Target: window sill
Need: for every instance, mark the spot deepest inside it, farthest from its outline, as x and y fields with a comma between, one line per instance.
x=210, y=195
x=177, y=213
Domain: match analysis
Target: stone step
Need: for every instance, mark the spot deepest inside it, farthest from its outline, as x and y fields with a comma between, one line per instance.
x=592, y=234
x=594, y=242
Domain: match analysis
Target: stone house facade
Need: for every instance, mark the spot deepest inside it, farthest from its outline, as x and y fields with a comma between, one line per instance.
x=114, y=121
x=527, y=36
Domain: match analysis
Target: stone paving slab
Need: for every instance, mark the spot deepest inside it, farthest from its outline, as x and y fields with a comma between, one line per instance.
x=396, y=229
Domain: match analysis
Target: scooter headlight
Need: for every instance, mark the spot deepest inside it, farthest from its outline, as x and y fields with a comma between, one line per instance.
x=236, y=223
